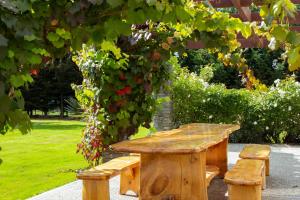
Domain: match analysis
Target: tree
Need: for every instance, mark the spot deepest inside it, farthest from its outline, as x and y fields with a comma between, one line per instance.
x=52, y=86
x=267, y=66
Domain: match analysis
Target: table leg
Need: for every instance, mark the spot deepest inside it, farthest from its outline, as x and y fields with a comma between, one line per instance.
x=217, y=155
x=173, y=176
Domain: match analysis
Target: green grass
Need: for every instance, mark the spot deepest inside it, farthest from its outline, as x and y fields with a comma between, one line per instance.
x=41, y=160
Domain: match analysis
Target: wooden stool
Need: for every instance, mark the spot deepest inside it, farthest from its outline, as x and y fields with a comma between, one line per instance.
x=245, y=180
x=96, y=180
x=257, y=152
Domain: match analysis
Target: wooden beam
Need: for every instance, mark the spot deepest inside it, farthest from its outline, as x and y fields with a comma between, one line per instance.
x=244, y=3
x=256, y=17
x=245, y=12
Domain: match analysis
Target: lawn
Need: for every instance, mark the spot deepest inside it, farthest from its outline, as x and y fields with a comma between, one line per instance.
x=41, y=160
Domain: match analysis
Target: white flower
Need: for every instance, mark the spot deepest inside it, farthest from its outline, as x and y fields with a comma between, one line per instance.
x=210, y=117
x=255, y=123
x=267, y=128
x=290, y=108
x=276, y=82
x=272, y=44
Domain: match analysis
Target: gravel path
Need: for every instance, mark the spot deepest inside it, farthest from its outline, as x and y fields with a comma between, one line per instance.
x=282, y=184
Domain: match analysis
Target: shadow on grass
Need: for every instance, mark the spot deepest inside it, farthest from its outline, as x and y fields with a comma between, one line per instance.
x=56, y=125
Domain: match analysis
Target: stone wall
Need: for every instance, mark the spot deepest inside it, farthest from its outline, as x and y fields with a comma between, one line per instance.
x=163, y=117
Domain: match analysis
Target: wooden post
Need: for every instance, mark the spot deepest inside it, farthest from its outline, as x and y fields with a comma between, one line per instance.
x=173, y=176
x=130, y=180
x=244, y=192
x=217, y=156
x=95, y=190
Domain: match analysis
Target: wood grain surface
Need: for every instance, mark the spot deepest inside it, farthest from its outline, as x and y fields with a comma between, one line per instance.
x=173, y=177
x=187, y=139
x=246, y=172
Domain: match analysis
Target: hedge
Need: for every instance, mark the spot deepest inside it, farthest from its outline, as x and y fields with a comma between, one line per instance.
x=271, y=116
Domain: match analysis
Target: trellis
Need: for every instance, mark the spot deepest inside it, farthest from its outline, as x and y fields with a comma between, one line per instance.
x=243, y=8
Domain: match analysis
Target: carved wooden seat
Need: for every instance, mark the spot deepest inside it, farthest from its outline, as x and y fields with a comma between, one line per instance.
x=257, y=152
x=245, y=180
x=96, y=180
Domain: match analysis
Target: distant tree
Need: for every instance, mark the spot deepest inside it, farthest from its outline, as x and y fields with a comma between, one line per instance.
x=267, y=66
x=198, y=59
x=52, y=86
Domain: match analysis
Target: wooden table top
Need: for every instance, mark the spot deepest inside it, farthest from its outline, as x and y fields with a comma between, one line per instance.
x=189, y=138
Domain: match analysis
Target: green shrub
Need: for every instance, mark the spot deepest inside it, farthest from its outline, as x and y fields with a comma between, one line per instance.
x=271, y=116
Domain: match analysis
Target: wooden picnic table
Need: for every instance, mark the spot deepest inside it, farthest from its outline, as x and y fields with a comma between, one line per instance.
x=173, y=162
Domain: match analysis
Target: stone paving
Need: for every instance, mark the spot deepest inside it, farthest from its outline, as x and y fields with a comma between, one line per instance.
x=282, y=184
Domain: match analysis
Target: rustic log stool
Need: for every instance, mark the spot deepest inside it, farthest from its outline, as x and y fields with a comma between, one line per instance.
x=245, y=180
x=257, y=152
x=96, y=180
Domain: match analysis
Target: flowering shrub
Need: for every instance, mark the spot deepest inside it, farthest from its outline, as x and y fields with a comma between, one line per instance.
x=271, y=116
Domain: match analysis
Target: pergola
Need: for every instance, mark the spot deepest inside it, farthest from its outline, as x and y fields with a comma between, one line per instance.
x=244, y=12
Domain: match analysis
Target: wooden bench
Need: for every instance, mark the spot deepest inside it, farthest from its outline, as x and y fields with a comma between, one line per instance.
x=96, y=180
x=245, y=180
x=257, y=152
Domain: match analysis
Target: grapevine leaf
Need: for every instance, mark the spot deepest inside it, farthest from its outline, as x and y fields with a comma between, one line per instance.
x=16, y=81
x=34, y=59
x=293, y=38
x=63, y=33
x=279, y=33
x=110, y=46
x=52, y=37
x=294, y=59
x=151, y=2
x=30, y=37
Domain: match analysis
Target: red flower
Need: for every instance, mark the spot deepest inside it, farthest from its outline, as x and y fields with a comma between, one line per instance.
x=124, y=91
x=34, y=72
x=120, y=92
x=127, y=90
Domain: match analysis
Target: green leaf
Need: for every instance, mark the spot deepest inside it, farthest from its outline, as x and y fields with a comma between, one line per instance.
x=181, y=14
x=294, y=59
x=63, y=33
x=115, y=3
x=151, y=2
x=16, y=81
x=246, y=30
x=58, y=44
x=110, y=46
x=30, y=37
x=52, y=37
x=34, y=59
x=293, y=38
x=279, y=33
x=3, y=41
